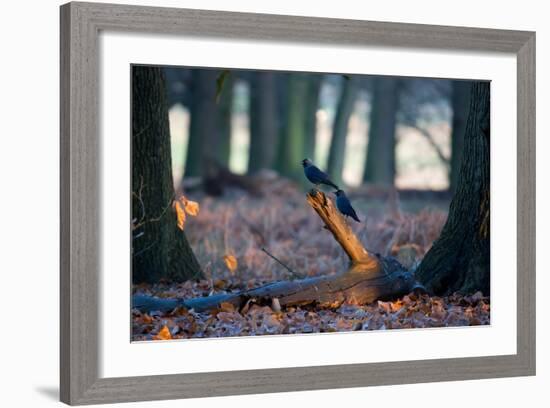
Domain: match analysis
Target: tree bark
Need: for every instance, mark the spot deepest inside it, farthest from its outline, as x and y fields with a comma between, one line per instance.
x=291, y=145
x=369, y=276
x=380, y=164
x=202, y=128
x=222, y=149
x=263, y=121
x=312, y=104
x=459, y=259
x=159, y=249
x=460, y=104
x=340, y=129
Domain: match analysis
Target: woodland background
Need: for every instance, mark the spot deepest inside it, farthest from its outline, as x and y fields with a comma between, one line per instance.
x=225, y=146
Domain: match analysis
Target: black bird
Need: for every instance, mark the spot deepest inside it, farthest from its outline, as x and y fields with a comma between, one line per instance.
x=315, y=175
x=344, y=206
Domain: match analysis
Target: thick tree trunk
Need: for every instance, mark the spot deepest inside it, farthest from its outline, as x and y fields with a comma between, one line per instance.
x=461, y=105
x=459, y=259
x=340, y=129
x=380, y=164
x=159, y=249
x=264, y=130
x=369, y=277
x=202, y=129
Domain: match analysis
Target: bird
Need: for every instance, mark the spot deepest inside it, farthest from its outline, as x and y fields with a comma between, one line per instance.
x=344, y=206
x=315, y=175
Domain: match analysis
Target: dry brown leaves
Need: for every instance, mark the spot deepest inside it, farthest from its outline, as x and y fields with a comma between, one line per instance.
x=291, y=231
x=239, y=225
x=411, y=311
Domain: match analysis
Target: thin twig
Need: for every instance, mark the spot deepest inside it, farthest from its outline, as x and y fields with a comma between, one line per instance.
x=295, y=274
x=137, y=223
x=145, y=249
x=253, y=229
x=432, y=143
x=156, y=219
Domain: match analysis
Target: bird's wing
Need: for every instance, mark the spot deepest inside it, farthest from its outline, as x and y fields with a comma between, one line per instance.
x=319, y=173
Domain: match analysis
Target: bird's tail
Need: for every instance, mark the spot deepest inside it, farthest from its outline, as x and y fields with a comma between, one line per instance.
x=355, y=217
x=330, y=183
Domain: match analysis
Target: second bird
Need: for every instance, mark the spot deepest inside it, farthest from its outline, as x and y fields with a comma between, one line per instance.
x=344, y=206
x=315, y=175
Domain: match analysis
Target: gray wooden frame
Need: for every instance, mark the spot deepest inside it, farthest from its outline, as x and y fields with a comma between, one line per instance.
x=80, y=234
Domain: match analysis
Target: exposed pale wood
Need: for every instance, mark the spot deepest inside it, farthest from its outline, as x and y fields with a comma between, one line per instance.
x=338, y=226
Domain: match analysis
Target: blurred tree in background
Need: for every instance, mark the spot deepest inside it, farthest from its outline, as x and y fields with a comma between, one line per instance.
x=202, y=129
x=272, y=120
x=292, y=143
x=335, y=166
x=264, y=121
x=380, y=164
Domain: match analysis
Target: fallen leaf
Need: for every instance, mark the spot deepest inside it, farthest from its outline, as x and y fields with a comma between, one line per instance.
x=227, y=307
x=220, y=284
x=164, y=334
x=180, y=212
x=146, y=319
x=192, y=208
x=230, y=262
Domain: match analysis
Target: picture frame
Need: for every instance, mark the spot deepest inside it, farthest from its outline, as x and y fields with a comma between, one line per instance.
x=81, y=24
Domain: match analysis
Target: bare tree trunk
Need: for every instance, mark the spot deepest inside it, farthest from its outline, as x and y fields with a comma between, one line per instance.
x=291, y=146
x=222, y=149
x=340, y=129
x=459, y=259
x=264, y=130
x=380, y=165
x=461, y=105
x=159, y=249
x=312, y=104
x=202, y=129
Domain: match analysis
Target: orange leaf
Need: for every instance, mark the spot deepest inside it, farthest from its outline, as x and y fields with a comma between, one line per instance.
x=227, y=307
x=164, y=334
x=180, y=214
x=192, y=208
x=230, y=262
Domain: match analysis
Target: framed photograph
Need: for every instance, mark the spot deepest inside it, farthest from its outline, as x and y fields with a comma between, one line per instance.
x=261, y=203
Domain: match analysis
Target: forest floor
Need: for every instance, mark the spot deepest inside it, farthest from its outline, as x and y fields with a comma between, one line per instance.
x=228, y=235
